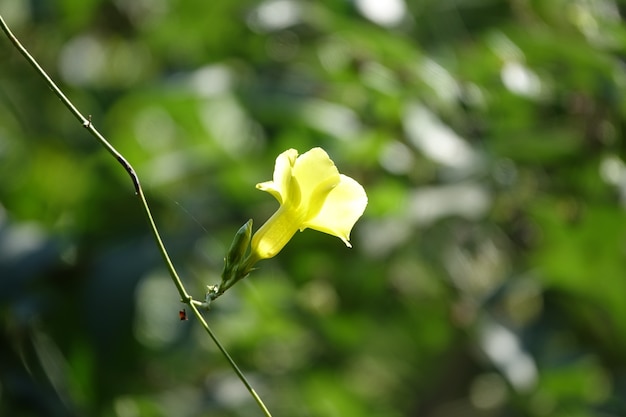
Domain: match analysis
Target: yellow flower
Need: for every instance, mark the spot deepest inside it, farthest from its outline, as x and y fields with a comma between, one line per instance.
x=312, y=194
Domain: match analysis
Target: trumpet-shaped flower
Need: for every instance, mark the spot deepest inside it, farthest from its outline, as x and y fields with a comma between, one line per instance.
x=312, y=194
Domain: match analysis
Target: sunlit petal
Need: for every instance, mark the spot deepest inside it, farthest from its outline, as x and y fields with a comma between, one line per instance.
x=283, y=171
x=342, y=208
x=280, y=187
x=316, y=173
x=318, y=197
x=270, y=187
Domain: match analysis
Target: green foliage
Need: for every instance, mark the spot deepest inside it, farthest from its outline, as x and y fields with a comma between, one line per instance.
x=487, y=274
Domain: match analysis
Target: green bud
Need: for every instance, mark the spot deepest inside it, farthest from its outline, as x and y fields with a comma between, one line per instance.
x=238, y=248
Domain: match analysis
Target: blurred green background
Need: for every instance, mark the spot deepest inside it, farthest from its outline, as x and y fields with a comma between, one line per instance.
x=488, y=273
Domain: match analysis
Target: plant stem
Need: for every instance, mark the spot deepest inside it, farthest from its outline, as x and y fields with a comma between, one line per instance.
x=240, y=374
x=87, y=124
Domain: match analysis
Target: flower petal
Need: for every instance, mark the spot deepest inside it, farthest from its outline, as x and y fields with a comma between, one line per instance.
x=343, y=206
x=316, y=174
x=280, y=186
x=269, y=187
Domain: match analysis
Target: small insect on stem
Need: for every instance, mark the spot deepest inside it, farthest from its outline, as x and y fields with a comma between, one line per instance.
x=87, y=123
x=182, y=314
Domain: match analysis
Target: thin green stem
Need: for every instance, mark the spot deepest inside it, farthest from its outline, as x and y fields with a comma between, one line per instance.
x=232, y=363
x=87, y=124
